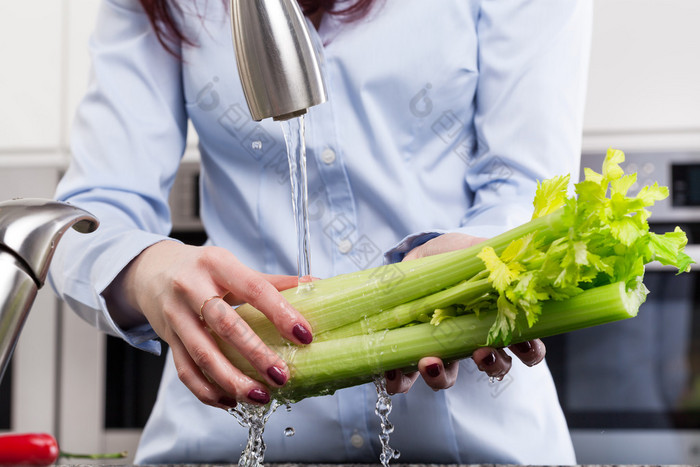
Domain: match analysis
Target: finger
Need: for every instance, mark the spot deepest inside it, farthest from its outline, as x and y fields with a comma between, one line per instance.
x=442, y=244
x=398, y=382
x=227, y=324
x=437, y=374
x=529, y=352
x=210, y=361
x=282, y=282
x=192, y=377
x=251, y=287
x=494, y=362
x=278, y=281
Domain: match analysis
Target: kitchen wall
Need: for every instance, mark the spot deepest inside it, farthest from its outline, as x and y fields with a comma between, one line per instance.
x=644, y=94
x=45, y=71
x=644, y=83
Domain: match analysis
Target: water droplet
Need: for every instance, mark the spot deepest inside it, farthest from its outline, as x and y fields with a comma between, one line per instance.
x=394, y=348
x=257, y=145
x=304, y=285
x=289, y=431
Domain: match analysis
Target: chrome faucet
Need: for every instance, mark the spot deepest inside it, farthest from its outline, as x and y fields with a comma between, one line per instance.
x=29, y=232
x=277, y=63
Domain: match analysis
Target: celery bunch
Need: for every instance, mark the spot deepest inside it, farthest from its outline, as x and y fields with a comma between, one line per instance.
x=578, y=263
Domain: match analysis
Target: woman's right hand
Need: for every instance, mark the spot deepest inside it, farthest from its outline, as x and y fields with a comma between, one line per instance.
x=171, y=284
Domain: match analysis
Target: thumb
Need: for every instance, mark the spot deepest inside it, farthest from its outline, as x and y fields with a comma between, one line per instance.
x=282, y=282
x=443, y=244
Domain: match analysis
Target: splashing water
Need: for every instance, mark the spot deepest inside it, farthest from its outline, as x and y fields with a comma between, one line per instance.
x=254, y=418
x=383, y=409
x=294, y=136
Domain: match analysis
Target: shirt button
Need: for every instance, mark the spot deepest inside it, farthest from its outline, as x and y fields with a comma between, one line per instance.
x=344, y=246
x=328, y=156
x=357, y=440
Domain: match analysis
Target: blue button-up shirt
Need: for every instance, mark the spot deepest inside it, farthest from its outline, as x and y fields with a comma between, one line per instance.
x=441, y=116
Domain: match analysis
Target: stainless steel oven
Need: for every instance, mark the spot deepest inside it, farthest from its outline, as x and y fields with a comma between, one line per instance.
x=631, y=390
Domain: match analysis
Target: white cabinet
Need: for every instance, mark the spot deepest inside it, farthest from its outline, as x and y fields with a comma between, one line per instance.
x=644, y=81
x=30, y=34
x=45, y=72
x=80, y=17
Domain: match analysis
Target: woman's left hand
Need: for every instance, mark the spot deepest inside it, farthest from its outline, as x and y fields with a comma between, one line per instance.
x=441, y=375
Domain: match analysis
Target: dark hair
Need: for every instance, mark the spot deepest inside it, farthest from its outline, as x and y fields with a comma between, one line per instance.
x=161, y=17
x=355, y=11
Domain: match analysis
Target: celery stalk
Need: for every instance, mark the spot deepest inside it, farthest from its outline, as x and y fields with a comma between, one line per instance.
x=346, y=298
x=323, y=367
x=411, y=311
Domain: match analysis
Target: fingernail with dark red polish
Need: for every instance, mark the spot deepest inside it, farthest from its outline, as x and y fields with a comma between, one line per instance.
x=390, y=375
x=229, y=402
x=277, y=375
x=301, y=333
x=433, y=370
x=259, y=396
x=523, y=347
x=490, y=359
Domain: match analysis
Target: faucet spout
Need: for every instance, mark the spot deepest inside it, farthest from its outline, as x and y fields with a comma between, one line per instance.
x=30, y=229
x=277, y=63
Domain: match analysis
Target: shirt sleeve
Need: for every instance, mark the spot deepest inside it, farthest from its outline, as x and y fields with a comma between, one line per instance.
x=533, y=65
x=127, y=141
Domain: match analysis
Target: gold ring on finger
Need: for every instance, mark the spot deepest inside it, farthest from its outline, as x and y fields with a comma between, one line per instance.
x=201, y=308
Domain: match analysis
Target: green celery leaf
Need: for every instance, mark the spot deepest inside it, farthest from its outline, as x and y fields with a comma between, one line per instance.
x=626, y=230
x=502, y=274
x=550, y=195
x=441, y=314
x=611, y=165
x=623, y=184
x=668, y=249
x=650, y=194
x=501, y=332
x=592, y=176
x=589, y=191
x=532, y=311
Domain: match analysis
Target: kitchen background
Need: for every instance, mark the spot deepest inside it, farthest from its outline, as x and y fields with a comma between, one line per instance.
x=94, y=394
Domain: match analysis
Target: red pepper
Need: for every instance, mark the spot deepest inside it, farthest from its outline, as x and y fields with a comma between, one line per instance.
x=39, y=449
x=28, y=449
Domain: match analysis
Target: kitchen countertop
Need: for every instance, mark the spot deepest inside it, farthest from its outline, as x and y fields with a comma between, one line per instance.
x=357, y=465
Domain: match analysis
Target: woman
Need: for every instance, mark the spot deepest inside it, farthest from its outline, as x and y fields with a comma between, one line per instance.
x=439, y=119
